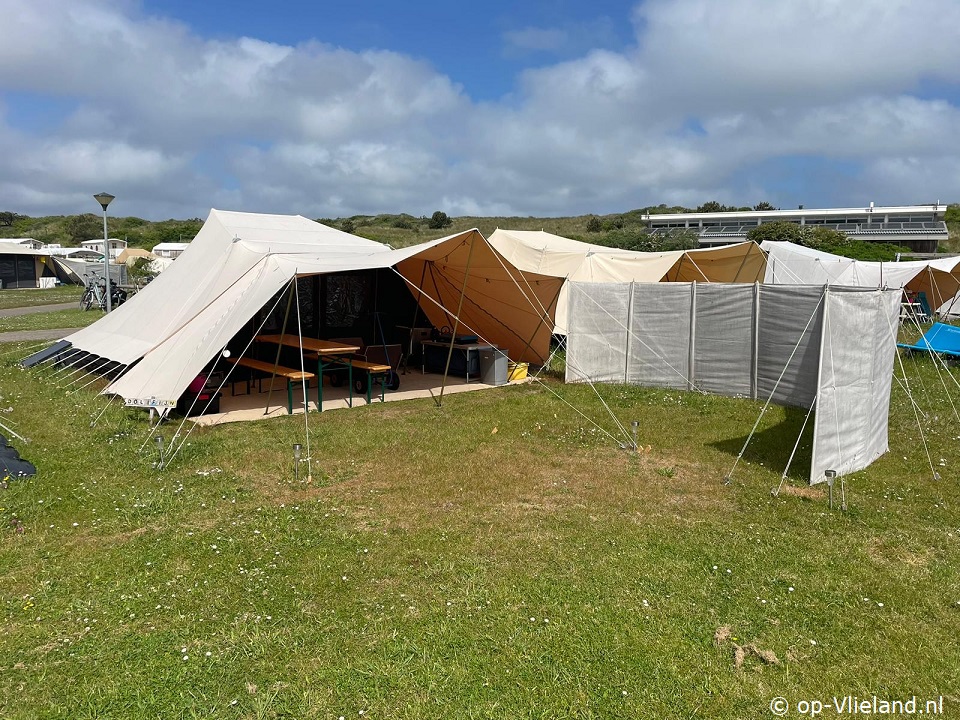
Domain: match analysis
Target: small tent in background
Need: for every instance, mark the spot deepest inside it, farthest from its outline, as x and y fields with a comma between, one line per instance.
x=542, y=252
x=164, y=336
x=22, y=266
x=822, y=347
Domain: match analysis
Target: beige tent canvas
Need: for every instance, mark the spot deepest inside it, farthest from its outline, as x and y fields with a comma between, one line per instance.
x=542, y=252
x=168, y=332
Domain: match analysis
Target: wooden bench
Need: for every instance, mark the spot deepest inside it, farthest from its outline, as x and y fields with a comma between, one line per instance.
x=289, y=374
x=374, y=371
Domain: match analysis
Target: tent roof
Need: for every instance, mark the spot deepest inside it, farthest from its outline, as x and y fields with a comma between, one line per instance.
x=174, y=326
x=542, y=252
x=133, y=253
x=9, y=248
x=791, y=264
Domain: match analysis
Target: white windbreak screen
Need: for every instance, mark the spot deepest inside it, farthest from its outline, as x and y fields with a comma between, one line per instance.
x=850, y=430
x=659, y=337
x=788, y=343
x=725, y=339
x=598, y=351
x=794, y=345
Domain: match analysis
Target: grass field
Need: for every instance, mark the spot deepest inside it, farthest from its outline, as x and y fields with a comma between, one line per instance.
x=46, y=296
x=497, y=557
x=49, y=320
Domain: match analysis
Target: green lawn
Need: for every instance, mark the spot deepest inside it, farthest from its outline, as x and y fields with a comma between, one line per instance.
x=497, y=557
x=73, y=318
x=30, y=297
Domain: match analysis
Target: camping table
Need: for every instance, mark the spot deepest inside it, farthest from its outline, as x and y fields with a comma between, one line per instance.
x=328, y=352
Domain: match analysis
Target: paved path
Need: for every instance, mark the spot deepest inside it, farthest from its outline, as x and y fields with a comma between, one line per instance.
x=36, y=335
x=13, y=312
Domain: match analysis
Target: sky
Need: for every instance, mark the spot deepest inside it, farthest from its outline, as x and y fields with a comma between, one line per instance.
x=535, y=108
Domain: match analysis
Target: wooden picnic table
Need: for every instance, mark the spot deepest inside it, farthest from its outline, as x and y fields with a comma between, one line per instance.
x=323, y=347
x=329, y=353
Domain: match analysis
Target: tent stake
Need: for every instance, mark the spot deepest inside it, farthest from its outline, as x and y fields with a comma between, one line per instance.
x=283, y=330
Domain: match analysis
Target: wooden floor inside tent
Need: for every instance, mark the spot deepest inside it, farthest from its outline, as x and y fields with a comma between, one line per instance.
x=243, y=407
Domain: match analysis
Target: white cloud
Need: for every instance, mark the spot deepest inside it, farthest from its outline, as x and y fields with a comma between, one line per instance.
x=710, y=95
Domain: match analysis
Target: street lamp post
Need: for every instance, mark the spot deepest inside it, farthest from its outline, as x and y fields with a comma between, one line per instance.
x=104, y=200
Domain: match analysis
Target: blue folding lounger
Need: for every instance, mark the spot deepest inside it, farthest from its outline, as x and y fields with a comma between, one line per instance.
x=940, y=338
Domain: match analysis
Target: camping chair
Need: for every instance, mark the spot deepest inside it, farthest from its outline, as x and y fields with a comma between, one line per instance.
x=925, y=314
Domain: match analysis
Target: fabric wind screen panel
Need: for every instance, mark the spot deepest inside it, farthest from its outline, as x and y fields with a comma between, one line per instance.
x=597, y=347
x=849, y=377
x=724, y=339
x=853, y=404
x=788, y=343
x=659, y=338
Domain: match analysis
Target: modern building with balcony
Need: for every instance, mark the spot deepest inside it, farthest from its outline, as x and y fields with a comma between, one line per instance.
x=917, y=227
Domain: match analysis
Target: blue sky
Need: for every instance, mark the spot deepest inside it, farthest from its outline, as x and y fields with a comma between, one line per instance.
x=479, y=45
x=535, y=108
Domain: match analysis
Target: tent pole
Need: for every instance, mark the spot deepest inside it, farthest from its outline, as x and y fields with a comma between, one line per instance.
x=303, y=381
x=824, y=329
x=416, y=308
x=755, y=370
x=742, y=264
x=626, y=356
x=692, y=349
x=283, y=331
x=456, y=322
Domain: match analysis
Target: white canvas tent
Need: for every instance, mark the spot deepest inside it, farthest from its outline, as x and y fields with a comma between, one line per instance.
x=791, y=264
x=542, y=252
x=169, y=331
x=821, y=347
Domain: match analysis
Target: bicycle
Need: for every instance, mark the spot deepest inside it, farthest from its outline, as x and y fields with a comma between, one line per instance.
x=95, y=294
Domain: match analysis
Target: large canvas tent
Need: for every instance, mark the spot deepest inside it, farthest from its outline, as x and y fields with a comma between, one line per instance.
x=791, y=264
x=169, y=331
x=821, y=347
x=542, y=252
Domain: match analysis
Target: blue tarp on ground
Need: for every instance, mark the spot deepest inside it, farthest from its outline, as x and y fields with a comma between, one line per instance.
x=940, y=338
